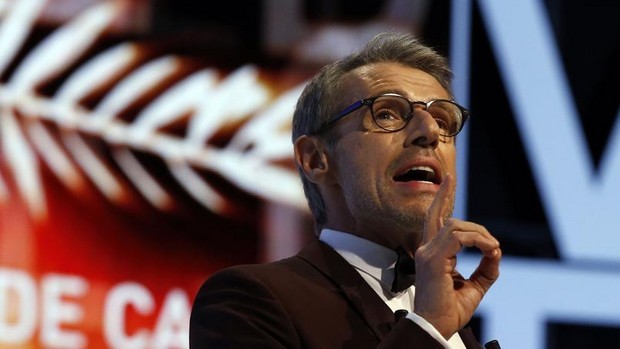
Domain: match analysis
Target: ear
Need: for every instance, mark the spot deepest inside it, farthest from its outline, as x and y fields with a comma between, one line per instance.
x=312, y=159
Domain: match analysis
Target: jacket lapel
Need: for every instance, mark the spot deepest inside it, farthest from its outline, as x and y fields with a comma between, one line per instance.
x=361, y=296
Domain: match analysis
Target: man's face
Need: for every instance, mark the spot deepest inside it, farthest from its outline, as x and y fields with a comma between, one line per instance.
x=381, y=186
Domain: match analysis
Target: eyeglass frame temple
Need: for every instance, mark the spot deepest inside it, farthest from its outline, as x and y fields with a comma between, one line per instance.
x=350, y=109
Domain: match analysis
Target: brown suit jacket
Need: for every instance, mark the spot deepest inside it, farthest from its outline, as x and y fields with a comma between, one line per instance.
x=312, y=300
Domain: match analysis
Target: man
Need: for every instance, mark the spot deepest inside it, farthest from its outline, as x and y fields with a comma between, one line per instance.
x=374, y=139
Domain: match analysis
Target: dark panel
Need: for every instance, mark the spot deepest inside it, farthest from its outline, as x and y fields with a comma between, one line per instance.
x=579, y=336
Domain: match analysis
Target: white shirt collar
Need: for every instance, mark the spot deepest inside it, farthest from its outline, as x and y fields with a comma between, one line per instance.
x=369, y=257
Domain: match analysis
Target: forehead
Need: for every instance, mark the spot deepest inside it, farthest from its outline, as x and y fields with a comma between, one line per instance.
x=377, y=78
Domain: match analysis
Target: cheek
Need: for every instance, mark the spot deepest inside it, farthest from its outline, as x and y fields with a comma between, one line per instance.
x=363, y=160
x=359, y=169
x=448, y=156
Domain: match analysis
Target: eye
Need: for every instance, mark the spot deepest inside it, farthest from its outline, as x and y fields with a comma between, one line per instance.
x=390, y=112
x=389, y=108
x=446, y=116
x=443, y=124
x=387, y=115
x=388, y=119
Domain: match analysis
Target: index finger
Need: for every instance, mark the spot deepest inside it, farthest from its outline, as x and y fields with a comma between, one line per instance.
x=438, y=210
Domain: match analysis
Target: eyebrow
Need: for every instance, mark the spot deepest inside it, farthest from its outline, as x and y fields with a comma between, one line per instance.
x=404, y=94
x=397, y=91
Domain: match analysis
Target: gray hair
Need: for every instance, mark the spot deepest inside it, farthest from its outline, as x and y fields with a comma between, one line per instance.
x=320, y=99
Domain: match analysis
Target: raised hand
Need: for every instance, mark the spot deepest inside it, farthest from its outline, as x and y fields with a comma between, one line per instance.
x=443, y=297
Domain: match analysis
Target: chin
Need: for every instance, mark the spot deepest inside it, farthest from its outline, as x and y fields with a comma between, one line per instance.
x=410, y=220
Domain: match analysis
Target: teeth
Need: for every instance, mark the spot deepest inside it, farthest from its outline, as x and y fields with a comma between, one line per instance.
x=418, y=173
x=422, y=168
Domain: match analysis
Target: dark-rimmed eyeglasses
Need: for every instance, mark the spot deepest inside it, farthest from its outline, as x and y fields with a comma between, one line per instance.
x=392, y=112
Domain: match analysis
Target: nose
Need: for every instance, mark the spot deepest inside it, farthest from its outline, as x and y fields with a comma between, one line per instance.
x=422, y=130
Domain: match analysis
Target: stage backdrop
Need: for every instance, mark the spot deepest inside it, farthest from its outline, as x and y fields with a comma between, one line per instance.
x=146, y=144
x=129, y=172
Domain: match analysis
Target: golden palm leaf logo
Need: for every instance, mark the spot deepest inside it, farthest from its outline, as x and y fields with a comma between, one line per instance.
x=57, y=130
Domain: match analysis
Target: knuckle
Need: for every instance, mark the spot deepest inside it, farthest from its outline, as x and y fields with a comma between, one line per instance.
x=456, y=234
x=450, y=223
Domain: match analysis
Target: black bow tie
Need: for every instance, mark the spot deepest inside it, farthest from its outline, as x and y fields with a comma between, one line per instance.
x=404, y=271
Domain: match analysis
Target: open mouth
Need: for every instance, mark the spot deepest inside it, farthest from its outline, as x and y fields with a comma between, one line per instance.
x=419, y=174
